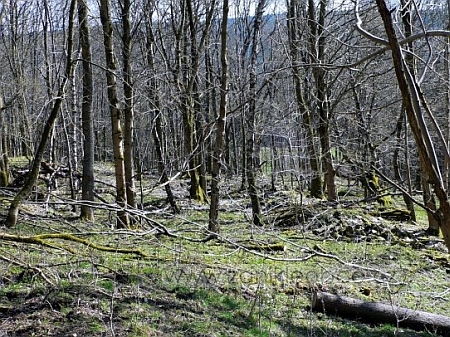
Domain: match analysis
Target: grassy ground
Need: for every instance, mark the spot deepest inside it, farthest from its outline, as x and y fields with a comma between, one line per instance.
x=251, y=282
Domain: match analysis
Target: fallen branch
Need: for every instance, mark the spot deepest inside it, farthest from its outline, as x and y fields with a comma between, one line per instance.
x=137, y=213
x=41, y=240
x=376, y=312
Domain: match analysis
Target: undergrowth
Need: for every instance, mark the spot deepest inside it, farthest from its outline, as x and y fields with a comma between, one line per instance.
x=236, y=285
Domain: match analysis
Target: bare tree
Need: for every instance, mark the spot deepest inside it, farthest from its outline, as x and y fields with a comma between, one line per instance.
x=221, y=120
x=155, y=105
x=117, y=133
x=400, y=125
x=193, y=42
x=18, y=19
x=295, y=38
x=410, y=90
x=447, y=98
x=317, y=43
x=87, y=192
x=129, y=102
x=250, y=118
x=407, y=11
x=4, y=165
x=32, y=175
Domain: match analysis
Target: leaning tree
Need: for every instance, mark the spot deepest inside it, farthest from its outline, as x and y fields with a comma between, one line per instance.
x=417, y=109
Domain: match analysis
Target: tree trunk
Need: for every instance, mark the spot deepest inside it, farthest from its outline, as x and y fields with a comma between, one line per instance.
x=244, y=152
x=220, y=131
x=330, y=174
x=317, y=55
x=407, y=19
x=48, y=77
x=193, y=106
x=32, y=175
x=447, y=102
x=188, y=106
x=164, y=178
x=250, y=119
x=396, y=164
x=379, y=313
x=4, y=170
x=87, y=121
x=294, y=31
x=70, y=148
x=195, y=190
x=129, y=104
x=427, y=154
x=117, y=134
x=4, y=150
x=155, y=105
x=429, y=201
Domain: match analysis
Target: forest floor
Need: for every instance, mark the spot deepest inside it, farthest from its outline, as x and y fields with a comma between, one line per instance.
x=252, y=281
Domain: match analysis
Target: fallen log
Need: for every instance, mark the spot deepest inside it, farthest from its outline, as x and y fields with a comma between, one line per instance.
x=376, y=312
x=396, y=214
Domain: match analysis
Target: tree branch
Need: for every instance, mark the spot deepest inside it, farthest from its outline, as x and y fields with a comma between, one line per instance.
x=41, y=240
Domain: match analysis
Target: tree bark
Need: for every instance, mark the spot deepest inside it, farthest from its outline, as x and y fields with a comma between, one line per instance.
x=191, y=37
x=129, y=104
x=396, y=163
x=87, y=121
x=188, y=112
x=117, y=134
x=197, y=45
x=4, y=170
x=220, y=131
x=317, y=56
x=4, y=148
x=375, y=312
x=250, y=119
x=294, y=31
x=447, y=101
x=429, y=201
x=407, y=19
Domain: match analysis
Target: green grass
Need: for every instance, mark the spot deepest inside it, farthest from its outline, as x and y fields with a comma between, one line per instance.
x=107, y=285
x=191, y=288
